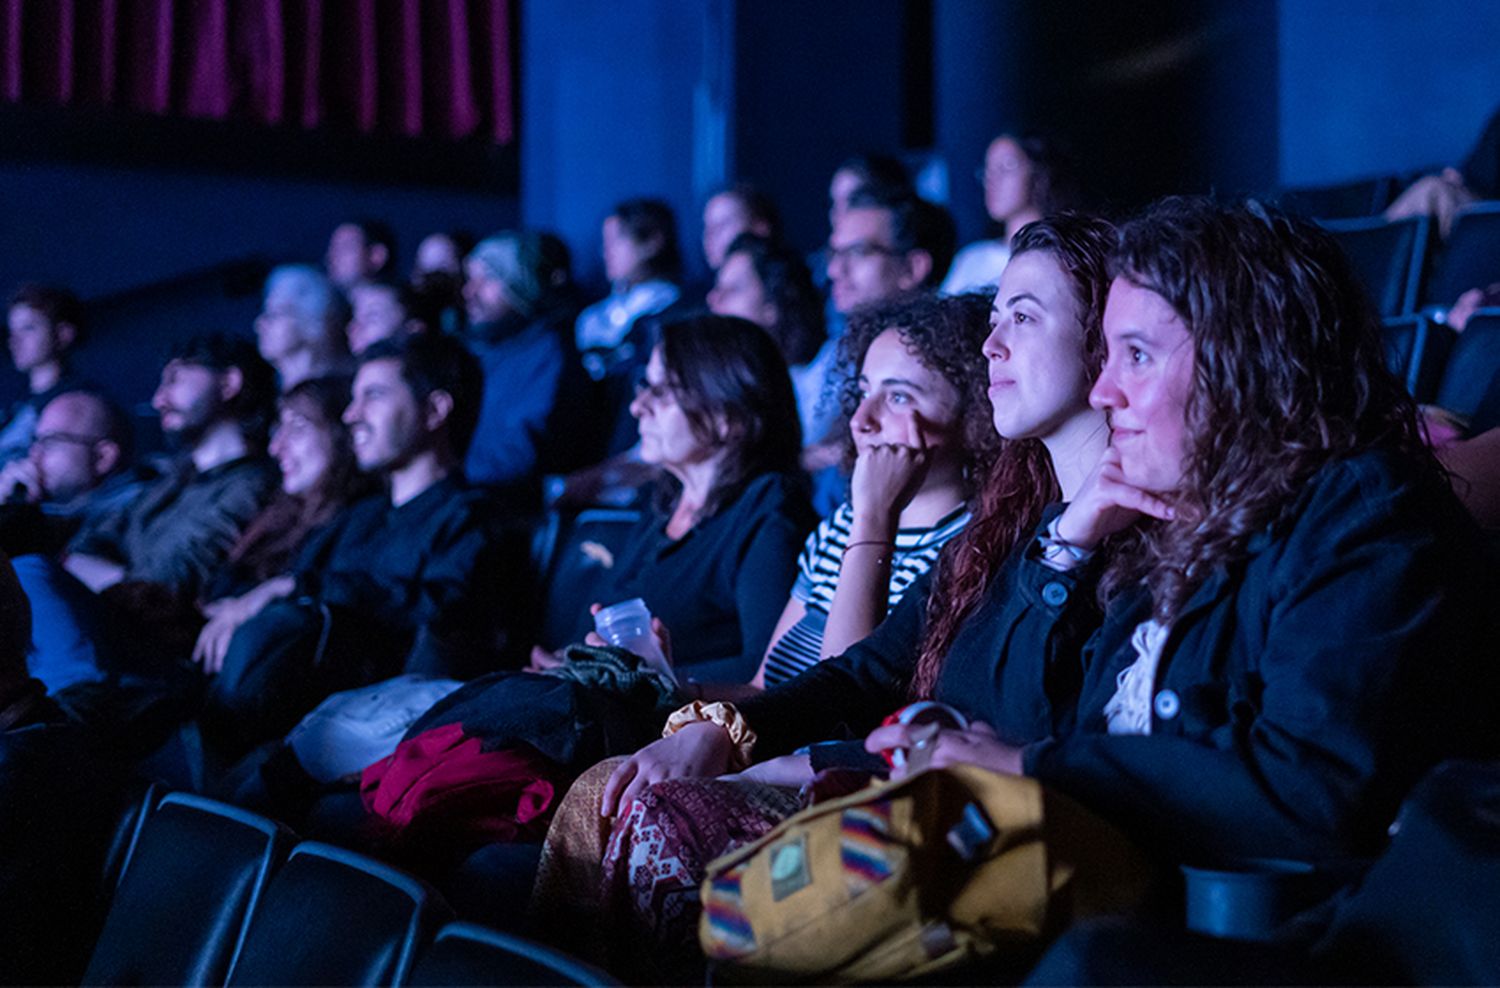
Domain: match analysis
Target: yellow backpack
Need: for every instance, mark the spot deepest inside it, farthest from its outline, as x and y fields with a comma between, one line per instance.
x=906, y=878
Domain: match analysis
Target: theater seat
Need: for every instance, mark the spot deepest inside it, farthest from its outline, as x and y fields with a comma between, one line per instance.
x=179, y=912
x=469, y=954
x=1471, y=258
x=1416, y=350
x=1389, y=256
x=126, y=835
x=587, y=548
x=1472, y=365
x=334, y=917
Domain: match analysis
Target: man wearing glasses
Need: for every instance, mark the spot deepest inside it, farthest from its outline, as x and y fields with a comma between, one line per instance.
x=77, y=466
x=884, y=244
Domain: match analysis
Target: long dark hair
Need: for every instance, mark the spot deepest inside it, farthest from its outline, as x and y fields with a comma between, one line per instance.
x=800, y=324
x=1021, y=482
x=732, y=384
x=268, y=543
x=947, y=335
x=1289, y=374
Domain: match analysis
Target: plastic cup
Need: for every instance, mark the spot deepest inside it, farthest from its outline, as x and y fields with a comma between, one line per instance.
x=627, y=625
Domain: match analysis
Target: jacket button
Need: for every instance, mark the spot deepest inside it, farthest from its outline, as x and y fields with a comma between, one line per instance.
x=1167, y=704
x=1055, y=594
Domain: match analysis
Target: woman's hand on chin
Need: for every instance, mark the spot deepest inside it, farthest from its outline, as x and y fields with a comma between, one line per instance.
x=976, y=746
x=887, y=476
x=1107, y=504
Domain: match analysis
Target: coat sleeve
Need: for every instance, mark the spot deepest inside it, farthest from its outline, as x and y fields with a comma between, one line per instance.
x=1371, y=634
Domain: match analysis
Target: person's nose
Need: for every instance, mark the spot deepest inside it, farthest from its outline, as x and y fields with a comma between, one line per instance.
x=994, y=347
x=865, y=418
x=1106, y=395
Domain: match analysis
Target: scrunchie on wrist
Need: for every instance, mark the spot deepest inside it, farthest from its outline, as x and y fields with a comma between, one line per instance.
x=724, y=715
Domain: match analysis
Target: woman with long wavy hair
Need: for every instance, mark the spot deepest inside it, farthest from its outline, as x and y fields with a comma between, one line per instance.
x=946, y=639
x=1298, y=615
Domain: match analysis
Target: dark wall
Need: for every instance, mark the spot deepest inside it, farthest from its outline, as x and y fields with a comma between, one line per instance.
x=814, y=84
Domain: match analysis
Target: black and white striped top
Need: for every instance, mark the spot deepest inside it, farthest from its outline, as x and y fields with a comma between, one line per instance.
x=818, y=572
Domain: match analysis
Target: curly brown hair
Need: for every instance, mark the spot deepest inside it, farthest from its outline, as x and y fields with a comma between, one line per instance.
x=1289, y=375
x=1020, y=482
x=945, y=334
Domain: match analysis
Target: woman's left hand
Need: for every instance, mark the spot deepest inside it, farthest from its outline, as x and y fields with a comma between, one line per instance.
x=976, y=746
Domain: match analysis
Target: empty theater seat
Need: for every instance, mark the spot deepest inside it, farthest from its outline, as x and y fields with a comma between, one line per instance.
x=334, y=917
x=195, y=873
x=469, y=954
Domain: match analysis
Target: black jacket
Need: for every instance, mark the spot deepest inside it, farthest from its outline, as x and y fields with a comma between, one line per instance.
x=1302, y=692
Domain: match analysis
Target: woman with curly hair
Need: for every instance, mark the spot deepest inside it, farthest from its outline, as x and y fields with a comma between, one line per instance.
x=1298, y=616
x=948, y=638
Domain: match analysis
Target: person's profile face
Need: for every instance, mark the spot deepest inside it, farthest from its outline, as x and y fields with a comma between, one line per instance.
x=738, y=291
x=1145, y=386
x=187, y=399
x=384, y=417
x=864, y=265
x=303, y=447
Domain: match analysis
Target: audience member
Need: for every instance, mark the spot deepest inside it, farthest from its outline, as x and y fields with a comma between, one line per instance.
x=883, y=244
x=406, y=578
x=920, y=439
x=717, y=553
x=442, y=253
x=737, y=209
x=517, y=294
x=300, y=329
x=45, y=323
x=1024, y=178
x=358, y=250
x=79, y=465
x=382, y=309
x=214, y=401
x=320, y=477
x=769, y=285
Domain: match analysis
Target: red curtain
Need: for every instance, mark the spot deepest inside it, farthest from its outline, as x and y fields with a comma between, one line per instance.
x=431, y=68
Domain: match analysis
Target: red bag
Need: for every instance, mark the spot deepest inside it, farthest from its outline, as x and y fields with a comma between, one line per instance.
x=442, y=786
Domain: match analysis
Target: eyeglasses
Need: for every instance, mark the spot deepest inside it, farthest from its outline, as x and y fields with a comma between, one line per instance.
x=655, y=394
x=55, y=439
x=860, y=250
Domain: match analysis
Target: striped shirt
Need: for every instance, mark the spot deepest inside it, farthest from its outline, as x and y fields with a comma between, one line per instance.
x=818, y=573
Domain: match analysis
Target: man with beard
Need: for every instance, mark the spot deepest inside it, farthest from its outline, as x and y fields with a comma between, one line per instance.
x=404, y=580
x=517, y=296
x=214, y=401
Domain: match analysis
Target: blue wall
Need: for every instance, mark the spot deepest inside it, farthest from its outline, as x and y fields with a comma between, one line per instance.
x=615, y=103
x=1378, y=86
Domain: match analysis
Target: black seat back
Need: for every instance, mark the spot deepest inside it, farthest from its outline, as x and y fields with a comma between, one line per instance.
x=179, y=912
x=1416, y=350
x=1428, y=911
x=469, y=954
x=1471, y=258
x=581, y=567
x=1389, y=256
x=334, y=917
x=1472, y=364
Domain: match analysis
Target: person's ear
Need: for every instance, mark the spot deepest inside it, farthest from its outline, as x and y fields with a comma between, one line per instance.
x=66, y=334
x=439, y=408
x=231, y=383
x=760, y=228
x=378, y=254
x=106, y=457
x=918, y=267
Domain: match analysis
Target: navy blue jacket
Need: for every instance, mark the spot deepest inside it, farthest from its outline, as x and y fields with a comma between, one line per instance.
x=1302, y=691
